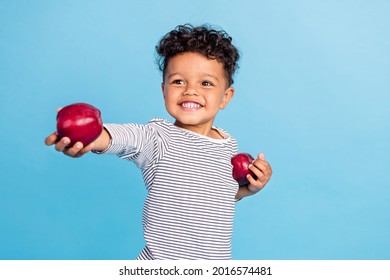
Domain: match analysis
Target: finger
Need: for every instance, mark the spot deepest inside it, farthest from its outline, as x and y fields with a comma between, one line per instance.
x=75, y=150
x=262, y=171
x=264, y=166
x=85, y=150
x=88, y=148
x=252, y=180
x=62, y=144
x=254, y=185
x=261, y=178
x=260, y=156
x=258, y=167
x=51, y=139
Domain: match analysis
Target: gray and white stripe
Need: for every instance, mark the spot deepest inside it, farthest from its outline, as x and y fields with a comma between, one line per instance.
x=189, y=209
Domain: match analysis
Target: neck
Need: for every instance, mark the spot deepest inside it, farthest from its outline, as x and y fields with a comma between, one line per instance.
x=205, y=129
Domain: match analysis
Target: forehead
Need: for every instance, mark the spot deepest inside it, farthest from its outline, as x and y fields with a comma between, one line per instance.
x=194, y=63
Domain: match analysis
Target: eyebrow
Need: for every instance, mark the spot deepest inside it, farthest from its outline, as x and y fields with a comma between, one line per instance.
x=203, y=74
x=173, y=74
x=211, y=76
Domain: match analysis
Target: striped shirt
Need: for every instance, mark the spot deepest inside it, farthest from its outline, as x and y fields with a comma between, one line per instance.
x=189, y=208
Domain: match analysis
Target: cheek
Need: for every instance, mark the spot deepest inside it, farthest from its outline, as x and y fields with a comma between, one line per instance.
x=169, y=99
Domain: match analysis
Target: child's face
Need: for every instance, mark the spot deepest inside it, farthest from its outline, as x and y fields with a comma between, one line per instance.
x=195, y=89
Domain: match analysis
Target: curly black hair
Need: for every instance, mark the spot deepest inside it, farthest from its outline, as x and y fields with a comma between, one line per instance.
x=203, y=39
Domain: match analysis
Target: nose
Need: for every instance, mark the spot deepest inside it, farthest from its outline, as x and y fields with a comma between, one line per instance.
x=190, y=91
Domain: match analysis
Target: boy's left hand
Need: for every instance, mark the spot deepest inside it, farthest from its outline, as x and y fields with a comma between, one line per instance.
x=262, y=169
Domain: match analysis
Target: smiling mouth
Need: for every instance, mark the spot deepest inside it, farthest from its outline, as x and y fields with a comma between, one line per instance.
x=190, y=105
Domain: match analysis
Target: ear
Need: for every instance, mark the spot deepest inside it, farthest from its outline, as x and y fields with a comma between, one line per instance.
x=228, y=95
x=162, y=89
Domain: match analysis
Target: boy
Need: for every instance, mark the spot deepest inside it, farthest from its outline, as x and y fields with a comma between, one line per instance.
x=189, y=209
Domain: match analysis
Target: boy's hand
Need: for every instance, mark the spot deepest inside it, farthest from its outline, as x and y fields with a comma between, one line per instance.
x=263, y=171
x=78, y=149
x=61, y=145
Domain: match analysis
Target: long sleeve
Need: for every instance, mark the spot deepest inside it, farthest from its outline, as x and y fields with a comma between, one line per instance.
x=134, y=142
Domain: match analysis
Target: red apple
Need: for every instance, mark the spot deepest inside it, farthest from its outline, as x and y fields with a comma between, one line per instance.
x=240, y=164
x=80, y=122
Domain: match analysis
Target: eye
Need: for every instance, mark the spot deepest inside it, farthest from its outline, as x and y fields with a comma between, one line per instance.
x=178, y=82
x=207, y=84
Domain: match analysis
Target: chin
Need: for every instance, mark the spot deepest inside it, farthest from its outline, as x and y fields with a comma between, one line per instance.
x=183, y=123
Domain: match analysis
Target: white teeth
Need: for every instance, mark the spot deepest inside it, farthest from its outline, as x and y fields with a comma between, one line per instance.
x=190, y=105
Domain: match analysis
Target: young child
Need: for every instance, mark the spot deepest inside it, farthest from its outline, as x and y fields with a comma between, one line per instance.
x=189, y=209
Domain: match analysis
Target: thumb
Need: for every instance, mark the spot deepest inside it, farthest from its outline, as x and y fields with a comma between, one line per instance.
x=261, y=156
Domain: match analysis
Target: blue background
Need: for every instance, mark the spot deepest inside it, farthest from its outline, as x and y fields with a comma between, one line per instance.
x=312, y=93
